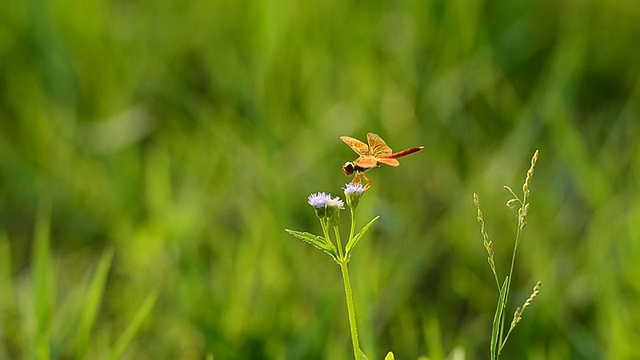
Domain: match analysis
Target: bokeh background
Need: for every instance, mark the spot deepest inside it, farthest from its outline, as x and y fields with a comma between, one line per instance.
x=153, y=152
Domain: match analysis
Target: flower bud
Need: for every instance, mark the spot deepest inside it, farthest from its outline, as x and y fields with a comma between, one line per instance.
x=333, y=210
x=512, y=202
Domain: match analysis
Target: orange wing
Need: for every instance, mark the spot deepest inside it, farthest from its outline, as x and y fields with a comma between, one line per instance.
x=356, y=145
x=367, y=162
x=388, y=161
x=377, y=146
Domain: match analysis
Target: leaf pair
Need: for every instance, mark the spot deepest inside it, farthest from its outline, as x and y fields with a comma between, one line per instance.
x=324, y=245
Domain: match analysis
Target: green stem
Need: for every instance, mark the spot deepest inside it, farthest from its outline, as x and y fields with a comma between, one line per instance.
x=350, y=308
x=353, y=223
x=506, y=297
x=336, y=231
x=505, y=340
x=513, y=260
x=325, y=229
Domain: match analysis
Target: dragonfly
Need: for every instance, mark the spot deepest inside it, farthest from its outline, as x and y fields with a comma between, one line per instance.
x=373, y=155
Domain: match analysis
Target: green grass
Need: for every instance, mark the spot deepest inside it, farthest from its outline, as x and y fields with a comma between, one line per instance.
x=152, y=152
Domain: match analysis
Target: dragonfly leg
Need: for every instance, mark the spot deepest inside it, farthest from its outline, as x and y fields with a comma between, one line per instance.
x=360, y=178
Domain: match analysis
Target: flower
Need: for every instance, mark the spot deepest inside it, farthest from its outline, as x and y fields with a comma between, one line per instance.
x=354, y=189
x=336, y=203
x=326, y=206
x=319, y=200
x=353, y=192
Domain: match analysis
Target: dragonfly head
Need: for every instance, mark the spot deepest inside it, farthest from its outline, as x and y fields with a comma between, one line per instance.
x=348, y=168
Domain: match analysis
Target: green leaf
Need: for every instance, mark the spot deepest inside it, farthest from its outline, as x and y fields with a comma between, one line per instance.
x=315, y=240
x=389, y=356
x=353, y=242
x=495, y=331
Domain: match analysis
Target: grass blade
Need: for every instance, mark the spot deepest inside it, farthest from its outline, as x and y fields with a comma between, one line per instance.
x=495, y=331
x=131, y=330
x=7, y=297
x=92, y=303
x=43, y=286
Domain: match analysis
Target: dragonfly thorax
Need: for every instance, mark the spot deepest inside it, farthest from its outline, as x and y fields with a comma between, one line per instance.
x=349, y=168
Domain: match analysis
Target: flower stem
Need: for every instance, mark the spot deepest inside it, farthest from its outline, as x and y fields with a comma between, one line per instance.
x=353, y=223
x=350, y=308
x=341, y=255
x=325, y=229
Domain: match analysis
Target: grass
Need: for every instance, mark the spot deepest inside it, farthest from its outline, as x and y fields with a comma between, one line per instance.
x=499, y=334
x=152, y=153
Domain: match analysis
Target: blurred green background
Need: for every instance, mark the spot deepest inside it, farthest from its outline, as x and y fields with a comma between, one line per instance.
x=157, y=150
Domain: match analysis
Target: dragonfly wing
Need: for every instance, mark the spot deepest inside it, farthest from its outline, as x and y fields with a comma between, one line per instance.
x=367, y=162
x=356, y=145
x=388, y=161
x=377, y=145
